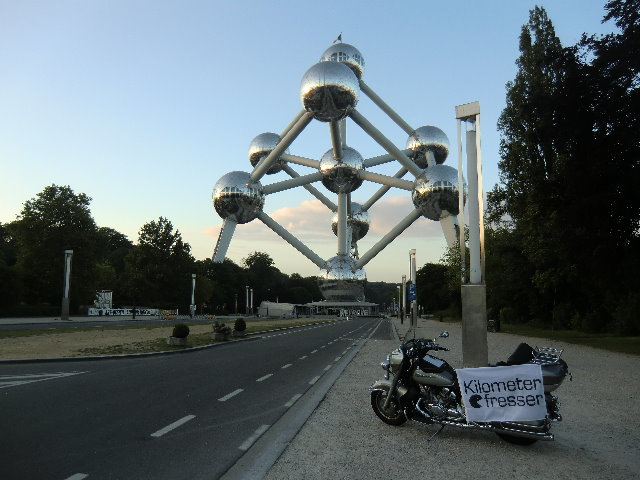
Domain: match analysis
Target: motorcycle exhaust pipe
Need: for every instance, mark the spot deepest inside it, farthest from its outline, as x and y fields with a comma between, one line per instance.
x=519, y=432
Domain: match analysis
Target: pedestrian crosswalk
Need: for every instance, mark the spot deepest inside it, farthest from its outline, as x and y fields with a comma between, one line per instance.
x=7, y=381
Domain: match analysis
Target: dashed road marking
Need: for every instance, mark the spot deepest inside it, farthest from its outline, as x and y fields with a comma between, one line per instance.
x=255, y=436
x=314, y=380
x=337, y=358
x=77, y=476
x=327, y=368
x=230, y=395
x=261, y=379
x=314, y=351
x=293, y=400
x=286, y=366
x=303, y=357
x=172, y=426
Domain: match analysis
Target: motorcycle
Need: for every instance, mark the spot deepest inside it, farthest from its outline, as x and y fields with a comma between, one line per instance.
x=421, y=387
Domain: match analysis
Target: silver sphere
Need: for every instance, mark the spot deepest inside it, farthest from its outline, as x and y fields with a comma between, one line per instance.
x=425, y=139
x=347, y=54
x=436, y=192
x=261, y=146
x=358, y=221
x=341, y=176
x=329, y=90
x=234, y=198
x=338, y=281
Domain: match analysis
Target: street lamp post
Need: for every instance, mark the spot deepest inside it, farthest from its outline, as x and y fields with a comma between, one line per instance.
x=192, y=307
x=246, y=302
x=413, y=293
x=474, y=294
x=68, y=256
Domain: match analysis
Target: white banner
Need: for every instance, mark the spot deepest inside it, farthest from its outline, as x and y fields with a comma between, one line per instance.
x=496, y=394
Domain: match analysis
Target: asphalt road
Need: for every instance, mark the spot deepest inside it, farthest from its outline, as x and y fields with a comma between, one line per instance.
x=187, y=416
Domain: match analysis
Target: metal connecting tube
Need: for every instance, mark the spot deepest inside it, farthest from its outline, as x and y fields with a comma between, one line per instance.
x=292, y=134
x=385, y=143
x=386, y=108
x=382, y=190
x=311, y=189
x=291, y=183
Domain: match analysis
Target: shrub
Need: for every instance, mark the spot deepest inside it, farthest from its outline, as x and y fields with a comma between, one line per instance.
x=240, y=325
x=180, y=330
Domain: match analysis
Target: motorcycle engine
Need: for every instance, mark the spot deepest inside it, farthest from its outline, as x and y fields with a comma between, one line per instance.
x=442, y=404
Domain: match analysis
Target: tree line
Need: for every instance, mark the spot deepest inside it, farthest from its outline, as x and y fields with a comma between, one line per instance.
x=155, y=272
x=563, y=224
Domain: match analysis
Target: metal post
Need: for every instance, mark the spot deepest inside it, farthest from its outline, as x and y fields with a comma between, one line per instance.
x=414, y=299
x=68, y=256
x=342, y=224
x=192, y=307
x=474, y=295
x=404, y=296
x=399, y=306
x=461, y=222
x=246, y=302
x=251, y=290
x=236, y=309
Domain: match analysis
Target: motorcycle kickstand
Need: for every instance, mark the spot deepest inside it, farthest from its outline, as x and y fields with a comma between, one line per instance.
x=432, y=436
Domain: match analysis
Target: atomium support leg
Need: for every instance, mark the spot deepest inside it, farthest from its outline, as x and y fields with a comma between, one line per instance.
x=292, y=134
x=311, y=189
x=224, y=239
x=385, y=143
x=291, y=240
x=389, y=237
x=381, y=191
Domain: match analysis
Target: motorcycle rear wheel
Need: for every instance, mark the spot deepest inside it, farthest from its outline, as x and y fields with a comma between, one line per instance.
x=516, y=440
x=393, y=414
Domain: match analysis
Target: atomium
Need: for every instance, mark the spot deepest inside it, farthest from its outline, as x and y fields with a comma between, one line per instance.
x=347, y=54
x=236, y=199
x=358, y=221
x=329, y=90
x=341, y=176
x=340, y=281
x=428, y=139
x=436, y=192
x=261, y=146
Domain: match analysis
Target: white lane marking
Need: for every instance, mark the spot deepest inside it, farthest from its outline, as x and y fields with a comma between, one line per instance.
x=173, y=426
x=337, y=358
x=252, y=439
x=314, y=380
x=323, y=346
x=286, y=366
x=314, y=351
x=77, y=476
x=265, y=377
x=230, y=395
x=293, y=400
x=327, y=368
x=7, y=381
x=303, y=357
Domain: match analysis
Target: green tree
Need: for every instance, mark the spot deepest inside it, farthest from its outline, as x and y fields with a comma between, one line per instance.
x=57, y=219
x=160, y=266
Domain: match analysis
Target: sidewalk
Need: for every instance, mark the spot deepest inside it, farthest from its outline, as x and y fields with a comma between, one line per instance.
x=599, y=437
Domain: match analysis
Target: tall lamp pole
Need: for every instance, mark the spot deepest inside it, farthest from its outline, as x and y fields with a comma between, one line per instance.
x=192, y=307
x=68, y=256
x=474, y=294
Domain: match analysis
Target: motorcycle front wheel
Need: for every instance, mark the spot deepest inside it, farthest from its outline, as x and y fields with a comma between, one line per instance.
x=393, y=414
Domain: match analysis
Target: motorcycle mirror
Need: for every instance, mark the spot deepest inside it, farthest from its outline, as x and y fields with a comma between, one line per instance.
x=444, y=334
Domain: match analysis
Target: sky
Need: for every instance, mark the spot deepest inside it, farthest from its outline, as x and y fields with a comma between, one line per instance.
x=144, y=104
